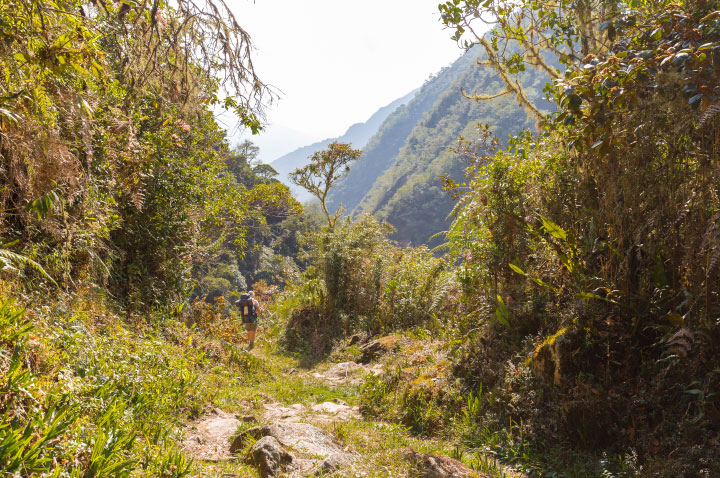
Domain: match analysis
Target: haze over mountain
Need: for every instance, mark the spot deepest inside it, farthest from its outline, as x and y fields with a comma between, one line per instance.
x=398, y=177
x=358, y=135
x=408, y=147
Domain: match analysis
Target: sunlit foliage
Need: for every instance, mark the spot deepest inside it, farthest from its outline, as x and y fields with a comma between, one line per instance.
x=113, y=167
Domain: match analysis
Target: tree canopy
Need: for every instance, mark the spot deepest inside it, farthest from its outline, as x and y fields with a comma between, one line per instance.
x=539, y=34
x=112, y=163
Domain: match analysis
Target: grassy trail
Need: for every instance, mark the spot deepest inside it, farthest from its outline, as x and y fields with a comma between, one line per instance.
x=273, y=383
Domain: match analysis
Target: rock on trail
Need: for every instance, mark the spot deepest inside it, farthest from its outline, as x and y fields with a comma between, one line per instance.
x=208, y=438
x=298, y=449
x=347, y=373
x=320, y=413
x=269, y=457
x=287, y=444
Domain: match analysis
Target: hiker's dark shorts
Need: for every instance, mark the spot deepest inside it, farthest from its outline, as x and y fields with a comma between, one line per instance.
x=250, y=324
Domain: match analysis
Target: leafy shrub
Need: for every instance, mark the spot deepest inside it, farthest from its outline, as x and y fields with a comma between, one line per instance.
x=110, y=408
x=217, y=320
x=360, y=281
x=31, y=428
x=590, y=249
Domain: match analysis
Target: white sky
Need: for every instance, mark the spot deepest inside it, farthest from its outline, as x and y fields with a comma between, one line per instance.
x=337, y=61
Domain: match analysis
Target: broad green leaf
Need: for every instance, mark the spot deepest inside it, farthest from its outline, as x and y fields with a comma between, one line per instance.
x=554, y=230
x=501, y=313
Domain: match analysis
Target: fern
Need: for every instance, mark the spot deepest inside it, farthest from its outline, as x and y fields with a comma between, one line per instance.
x=710, y=112
x=443, y=289
x=11, y=261
x=711, y=243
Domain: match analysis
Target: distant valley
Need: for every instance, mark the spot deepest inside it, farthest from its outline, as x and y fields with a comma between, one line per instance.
x=358, y=135
x=407, y=147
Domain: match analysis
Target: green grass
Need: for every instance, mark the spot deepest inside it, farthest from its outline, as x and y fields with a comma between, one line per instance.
x=378, y=447
x=271, y=380
x=121, y=393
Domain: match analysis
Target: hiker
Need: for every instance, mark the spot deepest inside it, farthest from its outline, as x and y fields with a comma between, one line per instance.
x=249, y=309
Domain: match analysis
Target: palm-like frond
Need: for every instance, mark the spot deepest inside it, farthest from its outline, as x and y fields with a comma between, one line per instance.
x=12, y=260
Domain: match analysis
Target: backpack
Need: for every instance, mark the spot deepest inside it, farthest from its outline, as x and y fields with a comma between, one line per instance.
x=247, y=306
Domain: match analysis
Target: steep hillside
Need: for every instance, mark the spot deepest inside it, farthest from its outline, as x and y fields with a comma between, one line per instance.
x=384, y=147
x=358, y=135
x=398, y=177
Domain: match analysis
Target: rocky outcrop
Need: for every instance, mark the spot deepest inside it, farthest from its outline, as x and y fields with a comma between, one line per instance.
x=337, y=411
x=268, y=455
x=379, y=347
x=440, y=466
x=348, y=372
x=312, y=449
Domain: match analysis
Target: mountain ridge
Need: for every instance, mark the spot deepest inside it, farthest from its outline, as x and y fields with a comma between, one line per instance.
x=357, y=134
x=398, y=177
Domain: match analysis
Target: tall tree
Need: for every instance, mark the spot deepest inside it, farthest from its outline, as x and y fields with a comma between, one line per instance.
x=325, y=168
x=112, y=164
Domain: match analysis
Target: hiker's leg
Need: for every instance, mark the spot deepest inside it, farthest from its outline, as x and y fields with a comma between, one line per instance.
x=251, y=329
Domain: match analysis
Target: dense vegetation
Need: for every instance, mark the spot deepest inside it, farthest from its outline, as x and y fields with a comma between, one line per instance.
x=118, y=188
x=571, y=327
x=114, y=169
x=585, y=258
x=358, y=281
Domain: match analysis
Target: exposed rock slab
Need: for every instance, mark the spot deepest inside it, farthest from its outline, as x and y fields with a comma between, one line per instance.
x=342, y=372
x=322, y=412
x=347, y=373
x=269, y=456
x=276, y=412
x=335, y=412
x=440, y=466
x=335, y=462
x=208, y=437
x=303, y=437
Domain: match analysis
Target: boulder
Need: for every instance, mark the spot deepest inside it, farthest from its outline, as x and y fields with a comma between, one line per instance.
x=440, y=466
x=302, y=437
x=333, y=463
x=269, y=456
x=379, y=347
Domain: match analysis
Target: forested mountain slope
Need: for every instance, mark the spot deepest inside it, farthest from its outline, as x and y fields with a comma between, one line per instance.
x=382, y=148
x=358, y=135
x=398, y=177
